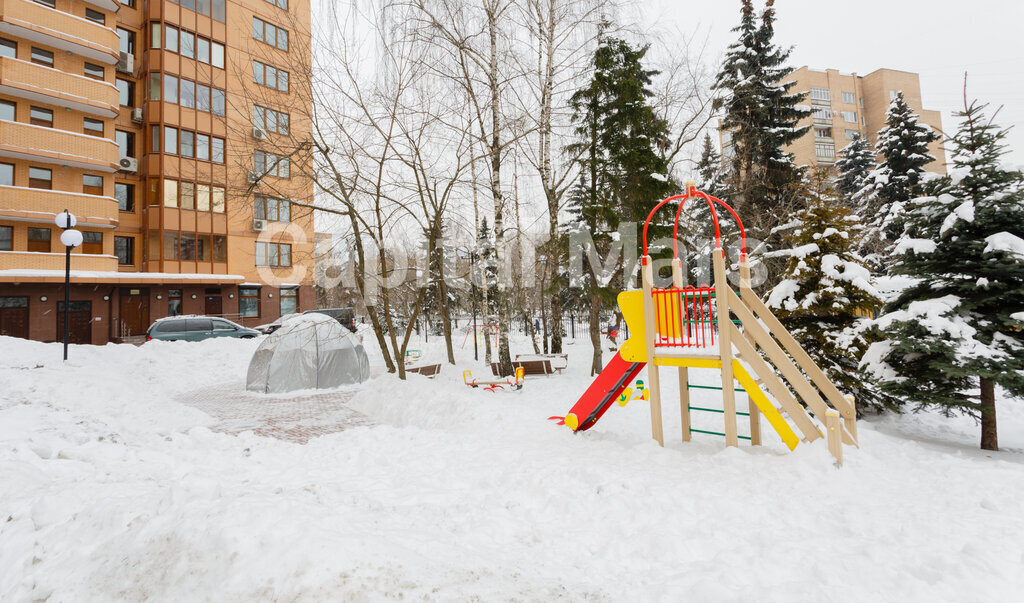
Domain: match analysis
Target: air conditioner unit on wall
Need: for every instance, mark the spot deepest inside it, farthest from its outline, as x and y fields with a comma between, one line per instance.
x=127, y=63
x=259, y=225
x=137, y=115
x=258, y=133
x=129, y=164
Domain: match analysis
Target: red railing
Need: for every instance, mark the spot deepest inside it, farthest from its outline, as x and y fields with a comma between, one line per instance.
x=685, y=318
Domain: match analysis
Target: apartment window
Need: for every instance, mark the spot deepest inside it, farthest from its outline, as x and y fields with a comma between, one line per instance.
x=125, y=195
x=188, y=94
x=170, y=245
x=248, y=302
x=93, y=126
x=128, y=3
x=8, y=48
x=270, y=120
x=7, y=110
x=124, y=249
x=6, y=174
x=127, y=38
x=50, y=3
x=850, y=116
x=203, y=98
x=852, y=134
x=41, y=117
x=217, y=55
x=289, y=301
x=40, y=178
x=170, y=88
x=42, y=57
x=154, y=86
x=92, y=242
x=188, y=247
x=6, y=238
x=188, y=144
x=125, y=93
x=170, y=140
x=861, y=99
x=849, y=98
x=95, y=16
x=273, y=254
x=125, y=143
x=822, y=113
x=823, y=132
x=270, y=164
x=217, y=200
x=171, y=38
x=188, y=44
x=825, y=151
x=280, y=3
x=39, y=240
x=188, y=196
x=268, y=33
x=894, y=93
x=170, y=193
x=154, y=36
x=202, y=147
x=92, y=184
x=218, y=103
x=269, y=76
x=821, y=94
x=203, y=50
x=94, y=71
x=203, y=197
x=270, y=208
x=220, y=248
x=154, y=137
x=174, y=302
x=217, y=150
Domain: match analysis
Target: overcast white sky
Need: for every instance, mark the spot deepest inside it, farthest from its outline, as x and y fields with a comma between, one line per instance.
x=939, y=39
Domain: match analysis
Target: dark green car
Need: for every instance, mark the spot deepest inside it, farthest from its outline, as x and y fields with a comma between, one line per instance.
x=196, y=328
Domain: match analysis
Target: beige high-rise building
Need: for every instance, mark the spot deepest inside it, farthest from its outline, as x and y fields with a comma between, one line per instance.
x=167, y=127
x=844, y=105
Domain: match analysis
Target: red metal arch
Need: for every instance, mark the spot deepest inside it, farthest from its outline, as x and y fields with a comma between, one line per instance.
x=711, y=201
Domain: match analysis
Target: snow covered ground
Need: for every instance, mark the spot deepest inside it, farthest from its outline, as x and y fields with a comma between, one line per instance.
x=112, y=488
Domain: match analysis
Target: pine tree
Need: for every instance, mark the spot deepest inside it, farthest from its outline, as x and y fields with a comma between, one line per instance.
x=903, y=147
x=711, y=175
x=761, y=116
x=826, y=292
x=854, y=168
x=618, y=134
x=958, y=326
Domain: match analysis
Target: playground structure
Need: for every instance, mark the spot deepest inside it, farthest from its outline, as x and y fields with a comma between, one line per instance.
x=693, y=328
x=513, y=383
x=486, y=331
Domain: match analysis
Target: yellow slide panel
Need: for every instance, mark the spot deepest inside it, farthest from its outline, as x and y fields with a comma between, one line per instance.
x=633, y=349
x=765, y=406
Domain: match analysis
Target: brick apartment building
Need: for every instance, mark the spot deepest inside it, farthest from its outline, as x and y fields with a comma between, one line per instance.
x=844, y=105
x=168, y=127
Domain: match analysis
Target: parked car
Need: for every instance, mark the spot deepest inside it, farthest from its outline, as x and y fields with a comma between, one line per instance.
x=270, y=327
x=196, y=328
x=346, y=316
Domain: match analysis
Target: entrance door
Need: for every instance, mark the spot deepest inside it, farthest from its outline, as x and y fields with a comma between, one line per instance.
x=79, y=322
x=14, y=317
x=134, y=312
x=214, y=305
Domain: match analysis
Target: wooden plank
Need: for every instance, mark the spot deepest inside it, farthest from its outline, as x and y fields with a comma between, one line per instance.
x=725, y=347
x=801, y=356
x=764, y=404
x=650, y=327
x=684, y=402
x=833, y=428
x=776, y=387
x=851, y=422
x=755, y=421
x=758, y=334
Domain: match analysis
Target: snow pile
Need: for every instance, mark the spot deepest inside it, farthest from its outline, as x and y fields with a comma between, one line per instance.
x=1005, y=241
x=114, y=490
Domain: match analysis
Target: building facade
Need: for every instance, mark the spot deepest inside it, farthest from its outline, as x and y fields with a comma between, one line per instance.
x=846, y=105
x=169, y=128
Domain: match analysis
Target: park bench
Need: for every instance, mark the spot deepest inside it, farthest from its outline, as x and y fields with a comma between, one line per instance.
x=427, y=370
x=530, y=367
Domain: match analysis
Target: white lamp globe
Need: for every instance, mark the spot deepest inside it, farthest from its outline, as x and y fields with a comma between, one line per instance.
x=62, y=220
x=71, y=238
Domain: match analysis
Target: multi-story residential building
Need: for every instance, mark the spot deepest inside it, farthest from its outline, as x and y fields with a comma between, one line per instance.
x=846, y=105
x=167, y=127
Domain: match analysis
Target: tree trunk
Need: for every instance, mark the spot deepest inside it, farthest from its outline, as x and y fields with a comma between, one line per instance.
x=595, y=332
x=371, y=309
x=442, y=301
x=989, y=433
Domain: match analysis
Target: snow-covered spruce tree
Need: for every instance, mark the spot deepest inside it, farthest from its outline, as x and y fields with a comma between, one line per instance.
x=761, y=115
x=958, y=325
x=826, y=292
x=710, y=172
x=903, y=149
x=855, y=165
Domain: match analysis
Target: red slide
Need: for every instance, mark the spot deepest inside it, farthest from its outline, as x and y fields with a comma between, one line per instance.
x=602, y=393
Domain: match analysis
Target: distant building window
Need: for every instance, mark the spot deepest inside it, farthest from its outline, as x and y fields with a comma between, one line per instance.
x=174, y=302
x=124, y=249
x=822, y=113
x=894, y=93
x=95, y=16
x=280, y=3
x=50, y=3
x=42, y=57
x=127, y=38
x=92, y=242
x=850, y=116
x=7, y=110
x=8, y=48
x=269, y=76
x=852, y=134
x=6, y=174
x=94, y=71
x=269, y=164
x=39, y=116
x=821, y=94
x=289, y=301
x=823, y=132
x=170, y=193
x=6, y=238
x=92, y=184
x=273, y=254
x=220, y=248
x=39, y=240
x=125, y=195
x=40, y=178
x=849, y=98
x=93, y=126
x=270, y=120
x=248, y=302
x=125, y=143
x=825, y=151
x=125, y=93
x=270, y=208
x=268, y=33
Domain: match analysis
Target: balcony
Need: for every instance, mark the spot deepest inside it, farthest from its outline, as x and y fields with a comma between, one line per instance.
x=44, y=25
x=111, y=5
x=40, y=206
x=33, y=261
x=27, y=80
x=47, y=145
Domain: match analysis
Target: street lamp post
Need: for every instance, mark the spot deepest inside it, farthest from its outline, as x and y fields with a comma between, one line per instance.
x=71, y=238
